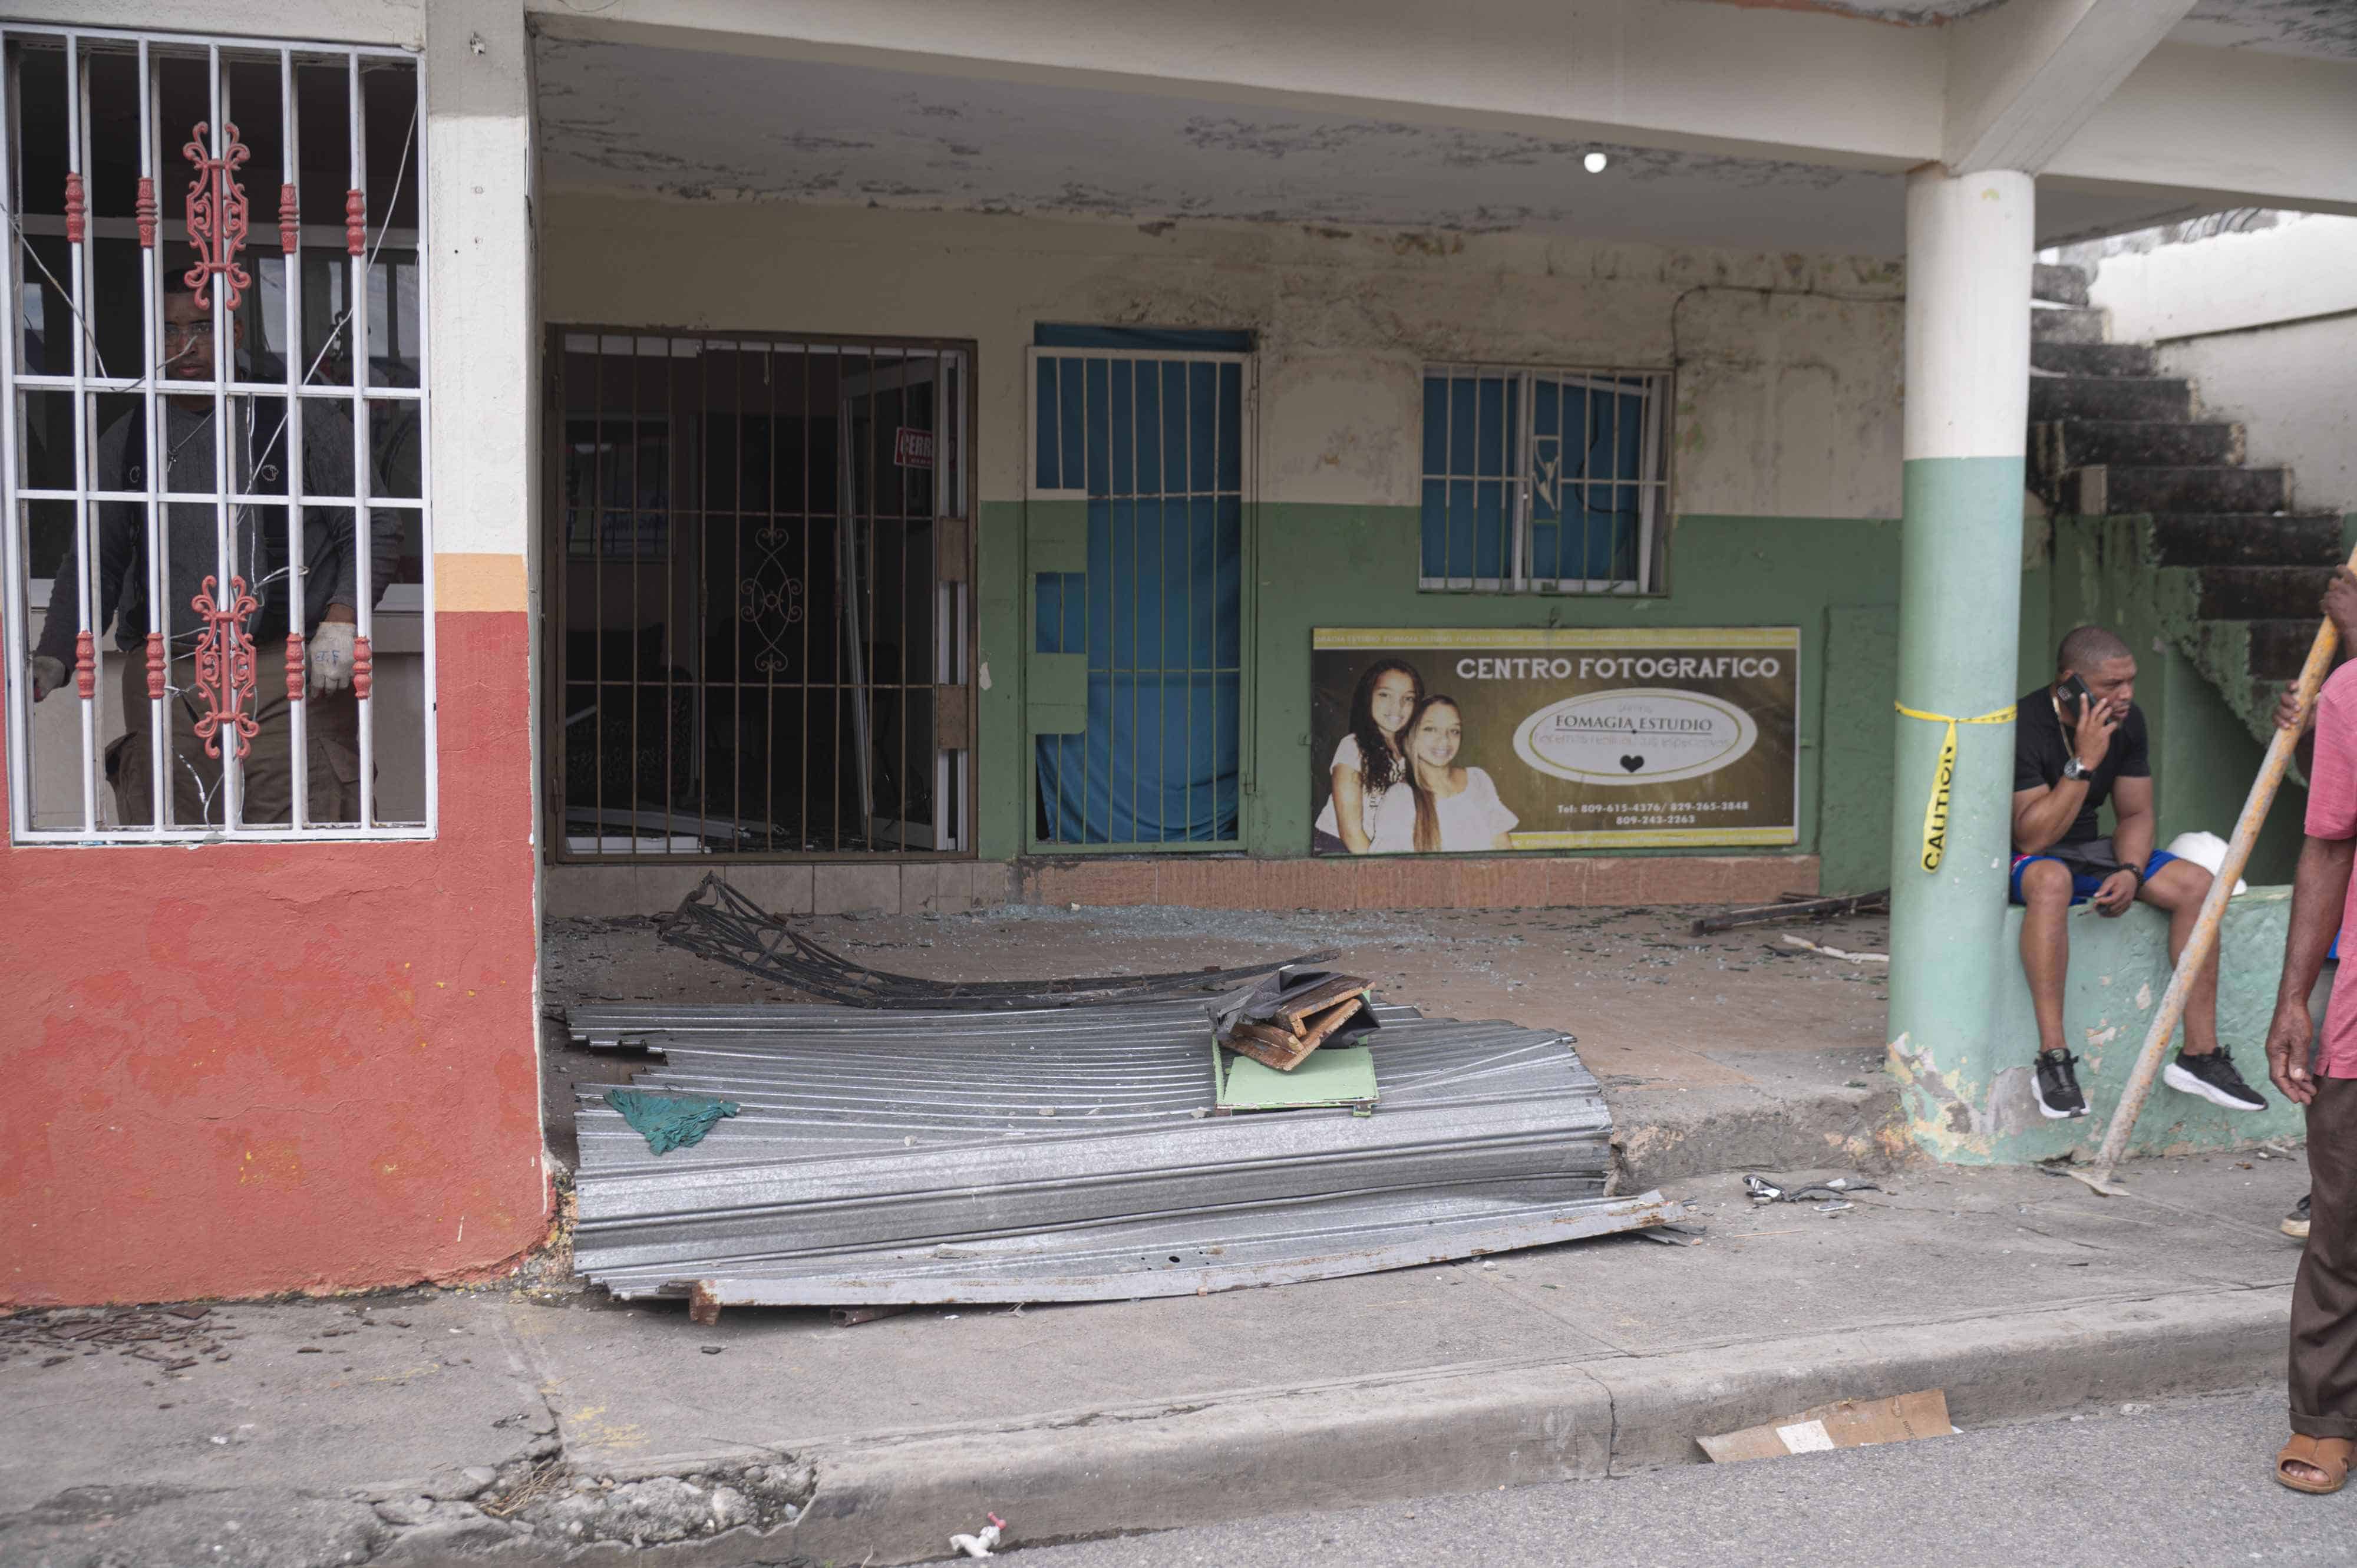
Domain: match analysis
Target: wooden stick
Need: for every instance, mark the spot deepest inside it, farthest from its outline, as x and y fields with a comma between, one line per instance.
x=2204, y=939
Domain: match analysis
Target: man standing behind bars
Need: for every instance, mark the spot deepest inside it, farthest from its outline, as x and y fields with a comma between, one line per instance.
x=257, y=449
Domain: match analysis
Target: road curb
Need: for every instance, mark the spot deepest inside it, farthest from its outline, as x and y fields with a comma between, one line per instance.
x=894, y=1499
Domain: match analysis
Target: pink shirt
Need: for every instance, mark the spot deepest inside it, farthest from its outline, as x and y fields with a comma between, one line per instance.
x=2332, y=814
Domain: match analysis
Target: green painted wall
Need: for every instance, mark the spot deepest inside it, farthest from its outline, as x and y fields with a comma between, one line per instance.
x=1985, y=1112
x=1836, y=579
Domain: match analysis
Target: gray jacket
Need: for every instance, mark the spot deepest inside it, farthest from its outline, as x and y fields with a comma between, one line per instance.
x=257, y=456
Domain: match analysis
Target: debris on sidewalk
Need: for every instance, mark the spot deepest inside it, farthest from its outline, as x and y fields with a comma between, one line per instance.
x=668, y=1123
x=1846, y=1423
x=1794, y=941
x=176, y=1338
x=980, y=1542
x=1794, y=907
x=717, y=923
x=1762, y=1190
x=1076, y=1153
x=1280, y=1018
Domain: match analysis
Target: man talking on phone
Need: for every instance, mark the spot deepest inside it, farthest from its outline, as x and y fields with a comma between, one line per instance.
x=2077, y=744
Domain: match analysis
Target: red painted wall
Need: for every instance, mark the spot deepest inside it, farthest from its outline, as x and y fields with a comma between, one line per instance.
x=239, y=1072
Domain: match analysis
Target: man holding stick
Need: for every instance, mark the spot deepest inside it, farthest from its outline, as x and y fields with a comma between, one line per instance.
x=2323, y=1362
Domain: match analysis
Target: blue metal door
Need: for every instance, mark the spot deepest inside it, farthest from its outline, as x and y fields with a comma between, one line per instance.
x=1134, y=546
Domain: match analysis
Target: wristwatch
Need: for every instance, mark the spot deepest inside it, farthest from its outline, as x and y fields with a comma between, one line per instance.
x=2074, y=768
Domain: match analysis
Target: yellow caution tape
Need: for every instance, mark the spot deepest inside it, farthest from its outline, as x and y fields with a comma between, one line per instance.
x=1935, y=813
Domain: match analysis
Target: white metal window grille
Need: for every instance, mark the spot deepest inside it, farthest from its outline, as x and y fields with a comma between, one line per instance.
x=217, y=587
x=1544, y=480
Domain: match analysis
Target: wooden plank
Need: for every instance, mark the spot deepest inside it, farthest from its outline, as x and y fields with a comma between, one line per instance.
x=1317, y=1029
x=1270, y=1048
x=1293, y=1010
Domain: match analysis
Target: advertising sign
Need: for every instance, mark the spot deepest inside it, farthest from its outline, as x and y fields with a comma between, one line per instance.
x=912, y=448
x=1471, y=742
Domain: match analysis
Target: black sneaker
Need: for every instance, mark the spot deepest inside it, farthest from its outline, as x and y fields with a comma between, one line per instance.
x=2058, y=1087
x=2213, y=1078
x=2295, y=1224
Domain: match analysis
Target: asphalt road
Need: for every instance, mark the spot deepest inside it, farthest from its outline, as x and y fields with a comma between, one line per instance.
x=2179, y=1486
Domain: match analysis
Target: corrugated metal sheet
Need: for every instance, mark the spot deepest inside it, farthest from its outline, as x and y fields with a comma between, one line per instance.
x=1070, y=1155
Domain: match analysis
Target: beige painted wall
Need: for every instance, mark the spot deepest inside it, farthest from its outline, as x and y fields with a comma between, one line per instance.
x=1789, y=365
x=2265, y=325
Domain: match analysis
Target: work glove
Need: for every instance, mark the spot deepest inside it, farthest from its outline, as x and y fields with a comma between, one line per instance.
x=331, y=656
x=48, y=674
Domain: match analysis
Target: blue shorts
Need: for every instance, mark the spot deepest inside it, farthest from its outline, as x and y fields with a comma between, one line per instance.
x=2082, y=887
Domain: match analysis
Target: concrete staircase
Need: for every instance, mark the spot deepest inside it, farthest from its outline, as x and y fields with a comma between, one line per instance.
x=2236, y=574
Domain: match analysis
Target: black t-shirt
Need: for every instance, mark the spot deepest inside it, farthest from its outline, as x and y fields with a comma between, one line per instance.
x=2041, y=745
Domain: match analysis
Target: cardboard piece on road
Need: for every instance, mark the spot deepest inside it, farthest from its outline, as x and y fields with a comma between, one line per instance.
x=1847, y=1423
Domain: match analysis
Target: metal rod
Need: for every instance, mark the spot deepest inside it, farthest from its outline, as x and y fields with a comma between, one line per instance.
x=228, y=636
x=429, y=741
x=15, y=543
x=299, y=718
x=155, y=518
x=86, y=552
x=363, y=515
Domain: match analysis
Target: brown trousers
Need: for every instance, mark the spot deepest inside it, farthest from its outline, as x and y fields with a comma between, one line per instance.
x=331, y=739
x=2324, y=1298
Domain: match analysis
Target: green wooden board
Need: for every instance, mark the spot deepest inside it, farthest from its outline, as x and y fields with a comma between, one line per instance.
x=1333, y=1075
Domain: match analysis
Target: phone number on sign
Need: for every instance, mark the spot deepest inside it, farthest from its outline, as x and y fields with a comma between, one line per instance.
x=1686, y=809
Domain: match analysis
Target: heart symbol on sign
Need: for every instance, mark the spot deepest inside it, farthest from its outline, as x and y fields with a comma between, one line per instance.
x=1632, y=762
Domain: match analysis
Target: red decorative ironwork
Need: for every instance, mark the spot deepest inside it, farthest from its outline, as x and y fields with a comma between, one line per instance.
x=294, y=668
x=290, y=221
x=363, y=667
x=225, y=666
x=217, y=217
x=73, y=210
x=147, y=210
x=155, y=666
x=355, y=221
x=85, y=665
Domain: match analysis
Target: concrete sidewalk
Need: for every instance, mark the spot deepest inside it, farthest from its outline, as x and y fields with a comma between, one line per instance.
x=420, y=1427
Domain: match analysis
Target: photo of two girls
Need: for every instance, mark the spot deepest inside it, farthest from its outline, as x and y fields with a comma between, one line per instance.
x=1395, y=785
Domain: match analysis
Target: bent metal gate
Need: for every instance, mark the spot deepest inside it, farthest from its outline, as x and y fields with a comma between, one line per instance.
x=1587, y=738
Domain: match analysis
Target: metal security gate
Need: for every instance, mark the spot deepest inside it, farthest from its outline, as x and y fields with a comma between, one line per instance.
x=1135, y=548
x=761, y=626
x=213, y=574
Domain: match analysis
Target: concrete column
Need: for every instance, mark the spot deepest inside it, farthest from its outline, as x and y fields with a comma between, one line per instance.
x=1969, y=249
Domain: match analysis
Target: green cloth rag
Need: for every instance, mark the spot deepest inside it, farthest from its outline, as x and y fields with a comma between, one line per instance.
x=669, y=1123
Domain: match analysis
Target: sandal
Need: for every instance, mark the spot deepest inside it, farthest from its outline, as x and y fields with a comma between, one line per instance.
x=2329, y=1455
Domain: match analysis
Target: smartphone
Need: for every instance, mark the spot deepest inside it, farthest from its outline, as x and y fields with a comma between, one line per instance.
x=2074, y=697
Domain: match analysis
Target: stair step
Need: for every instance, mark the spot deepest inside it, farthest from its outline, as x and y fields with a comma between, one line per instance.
x=2246, y=539
x=2240, y=592
x=2061, y=284
x=2093, y=359
x=2142, y=490
x=2279, y=647
x=2065, y=326
x=2111, y=397
x=2075, y=443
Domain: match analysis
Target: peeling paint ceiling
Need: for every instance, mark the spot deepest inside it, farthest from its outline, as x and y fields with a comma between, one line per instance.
x=718, y=127
x=2322, y=28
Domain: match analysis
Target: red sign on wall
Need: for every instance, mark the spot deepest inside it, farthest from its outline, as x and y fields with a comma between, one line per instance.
x=912, y=448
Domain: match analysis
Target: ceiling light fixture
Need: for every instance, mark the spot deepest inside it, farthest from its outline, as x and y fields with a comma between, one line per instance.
x=1594, y=163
